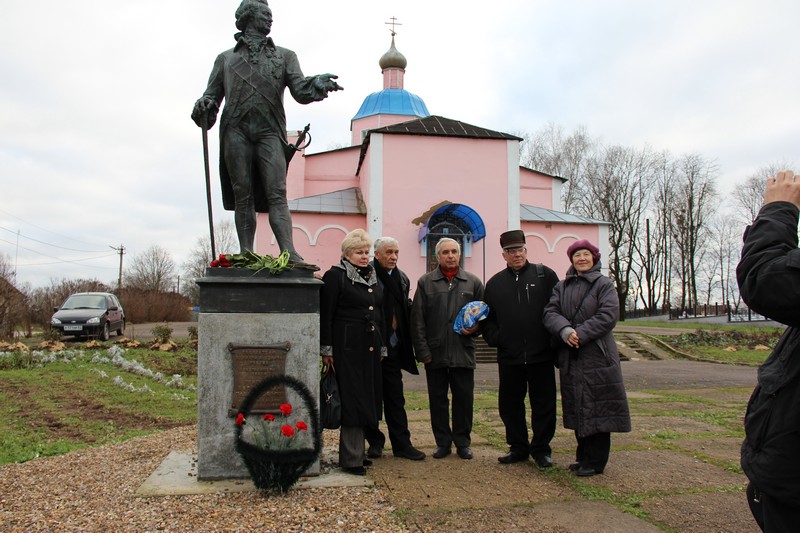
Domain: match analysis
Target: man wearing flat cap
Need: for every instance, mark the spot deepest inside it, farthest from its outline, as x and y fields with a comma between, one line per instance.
x=516, y=297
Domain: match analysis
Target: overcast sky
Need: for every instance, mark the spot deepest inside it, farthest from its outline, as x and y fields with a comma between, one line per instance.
x=97, y=148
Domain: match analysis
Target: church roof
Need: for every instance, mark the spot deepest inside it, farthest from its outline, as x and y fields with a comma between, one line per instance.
x=344, y=202
x=392, y=102
x=435, y=125
x=530, y=213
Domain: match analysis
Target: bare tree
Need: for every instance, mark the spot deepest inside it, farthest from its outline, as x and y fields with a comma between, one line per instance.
x=694, y=202
x=618, y=184
x=199, y=258
x=724, y=247
x=648, y=258
x=552, y=151
x=152, y=270
x=660, y=283
x=749, y=195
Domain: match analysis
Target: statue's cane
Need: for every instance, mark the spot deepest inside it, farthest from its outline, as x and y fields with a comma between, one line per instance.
x=208, y=190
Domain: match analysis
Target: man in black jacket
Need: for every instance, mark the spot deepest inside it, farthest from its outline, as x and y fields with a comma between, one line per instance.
x=397, y=333
x=769, y=281
x=516, y=297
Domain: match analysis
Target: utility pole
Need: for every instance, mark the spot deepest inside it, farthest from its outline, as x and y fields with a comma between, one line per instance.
x=121, y=252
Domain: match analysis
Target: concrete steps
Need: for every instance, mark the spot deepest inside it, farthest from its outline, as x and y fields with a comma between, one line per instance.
x=483, y=352
x=634, y=347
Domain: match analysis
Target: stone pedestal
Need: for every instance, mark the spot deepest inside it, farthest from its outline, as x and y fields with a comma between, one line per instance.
x=240, y=308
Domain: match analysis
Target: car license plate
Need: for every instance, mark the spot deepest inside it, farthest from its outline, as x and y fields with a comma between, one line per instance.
x=73, y=328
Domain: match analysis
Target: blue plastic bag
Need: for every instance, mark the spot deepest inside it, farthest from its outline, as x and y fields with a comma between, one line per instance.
x=470, y=315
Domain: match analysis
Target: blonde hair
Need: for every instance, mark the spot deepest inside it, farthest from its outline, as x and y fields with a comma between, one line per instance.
x=358, y=238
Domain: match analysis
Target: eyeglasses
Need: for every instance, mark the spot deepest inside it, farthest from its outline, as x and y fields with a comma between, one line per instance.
x=515, y=251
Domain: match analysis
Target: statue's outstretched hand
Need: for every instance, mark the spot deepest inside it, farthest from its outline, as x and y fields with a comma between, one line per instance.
x=205, y=112
x=324, y=82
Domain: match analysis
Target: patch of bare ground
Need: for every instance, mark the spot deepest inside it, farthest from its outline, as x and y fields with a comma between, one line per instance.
x=557, y=517
x=643, y=472
x=452, y=482
x=672, y=425
x=701, y=513
x=65, y=405
x=721, y=448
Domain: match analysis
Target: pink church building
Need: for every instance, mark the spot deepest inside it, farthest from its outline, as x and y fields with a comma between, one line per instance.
x=419, y=177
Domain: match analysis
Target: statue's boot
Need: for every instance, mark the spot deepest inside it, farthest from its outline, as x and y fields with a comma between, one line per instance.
x=246, y=231
x=281, y=223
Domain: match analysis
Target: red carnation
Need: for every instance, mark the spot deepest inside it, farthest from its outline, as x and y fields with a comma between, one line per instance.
x=223, y=257
x=301, y=425
x=287, y=431
x=215, y=263
x=286, y=409
x=239, y=419
x=269, y=418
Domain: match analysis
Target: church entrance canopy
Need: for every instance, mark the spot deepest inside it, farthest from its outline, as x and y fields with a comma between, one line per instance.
x=459, y=214
x=457, y=221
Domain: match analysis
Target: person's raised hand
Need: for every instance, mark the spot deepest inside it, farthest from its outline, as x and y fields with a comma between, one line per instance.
x=783, y=187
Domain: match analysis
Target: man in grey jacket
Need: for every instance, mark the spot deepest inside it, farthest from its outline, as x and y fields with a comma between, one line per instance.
x=449, y=357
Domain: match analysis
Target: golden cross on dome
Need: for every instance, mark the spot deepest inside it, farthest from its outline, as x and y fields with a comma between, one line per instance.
x=393, y=23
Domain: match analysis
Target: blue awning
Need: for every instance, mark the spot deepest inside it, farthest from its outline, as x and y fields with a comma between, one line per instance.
x=477, y=229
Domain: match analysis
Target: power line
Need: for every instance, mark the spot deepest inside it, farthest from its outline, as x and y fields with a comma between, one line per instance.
x=74, y=261
x=47, y=243
x=58, y=259
x=47, y=230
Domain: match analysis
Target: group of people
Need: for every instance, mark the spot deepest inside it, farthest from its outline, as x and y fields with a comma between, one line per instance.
x=371, y=330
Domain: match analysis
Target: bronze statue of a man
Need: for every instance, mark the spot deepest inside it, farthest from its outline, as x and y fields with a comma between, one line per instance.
x=252, y=77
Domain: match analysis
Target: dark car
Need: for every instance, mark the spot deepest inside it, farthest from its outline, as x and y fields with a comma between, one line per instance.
x=89, y=314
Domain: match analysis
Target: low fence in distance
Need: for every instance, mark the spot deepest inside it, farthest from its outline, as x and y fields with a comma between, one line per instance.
x=725, y=312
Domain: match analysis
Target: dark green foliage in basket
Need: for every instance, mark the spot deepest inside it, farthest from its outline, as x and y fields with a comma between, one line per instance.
x=279, y=469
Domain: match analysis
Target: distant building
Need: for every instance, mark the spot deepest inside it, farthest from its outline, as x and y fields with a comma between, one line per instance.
x=419, y=177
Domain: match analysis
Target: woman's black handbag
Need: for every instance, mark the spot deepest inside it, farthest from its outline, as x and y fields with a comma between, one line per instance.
x=330, y=403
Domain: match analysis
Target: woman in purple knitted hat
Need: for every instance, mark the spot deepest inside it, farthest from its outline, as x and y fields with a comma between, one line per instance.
x=582, y=313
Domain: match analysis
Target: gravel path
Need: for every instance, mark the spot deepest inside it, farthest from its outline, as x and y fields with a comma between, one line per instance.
x=94, y=490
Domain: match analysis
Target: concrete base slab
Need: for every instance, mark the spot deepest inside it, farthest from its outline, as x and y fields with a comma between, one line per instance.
x=177, y=476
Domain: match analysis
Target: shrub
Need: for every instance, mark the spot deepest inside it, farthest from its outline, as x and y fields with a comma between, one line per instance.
x=162, y=333
x=152, y=306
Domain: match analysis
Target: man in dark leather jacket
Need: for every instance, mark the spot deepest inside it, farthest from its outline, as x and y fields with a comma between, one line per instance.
x=397, y=339
x=769, y=282
x=517, y=297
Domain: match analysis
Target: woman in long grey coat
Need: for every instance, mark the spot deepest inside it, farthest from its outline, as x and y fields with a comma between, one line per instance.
x=582, y=313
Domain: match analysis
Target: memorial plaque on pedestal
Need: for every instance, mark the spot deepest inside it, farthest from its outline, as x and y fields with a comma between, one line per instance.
x=251, y=364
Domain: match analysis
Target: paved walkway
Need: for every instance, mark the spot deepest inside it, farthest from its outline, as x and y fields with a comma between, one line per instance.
x=676, y=471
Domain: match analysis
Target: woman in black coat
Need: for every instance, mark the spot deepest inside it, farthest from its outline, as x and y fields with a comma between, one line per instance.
x=583, y=312
x=350, y=339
